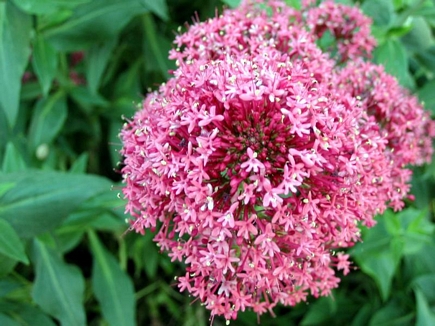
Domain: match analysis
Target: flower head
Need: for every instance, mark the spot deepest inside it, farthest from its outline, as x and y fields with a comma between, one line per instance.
x=262, y=154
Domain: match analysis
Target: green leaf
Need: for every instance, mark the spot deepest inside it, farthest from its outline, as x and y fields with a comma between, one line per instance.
x=382, y=11
x=322, y=310
x=12, y=161
x=46, y=6
x=96, y=21
x=156, y=47
x=112, y=287
x=5, y=320
x=10, y=244
x=393, y=314
x=236, y=3
x=97, y=58
x=420, y=37
x=380, y=253
x=426, y=284
x=44, y=62
x=80, y=164
x=427, y=95
x=425, y=317
x=58, y=287
x=15, y=30
x=158, y=7
x=392, y=55
x=40, y=201
x=6, y=264
x=48, y=118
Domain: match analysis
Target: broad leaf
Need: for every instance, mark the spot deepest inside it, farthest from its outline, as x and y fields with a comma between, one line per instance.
x=12, y=161
x=112, y=287
x=425, y=317
x=158, y=7
x=40, y=201
x=58, y=287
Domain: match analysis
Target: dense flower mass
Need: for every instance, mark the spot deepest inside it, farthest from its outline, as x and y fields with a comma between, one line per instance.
x=263, y=153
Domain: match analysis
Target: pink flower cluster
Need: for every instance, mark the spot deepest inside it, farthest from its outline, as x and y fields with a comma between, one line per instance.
x=262, y=154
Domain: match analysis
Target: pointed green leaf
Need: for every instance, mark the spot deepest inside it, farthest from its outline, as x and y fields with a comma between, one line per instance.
x=158, y=7
x=15, y=28
x=96, y=21
x=112, y=287
x=10, y=244
x=97, y=58
x=40, y=201
x=58, y=287
x=12, y=161
x=425, y=317
x=44, y=62
x=48, y=118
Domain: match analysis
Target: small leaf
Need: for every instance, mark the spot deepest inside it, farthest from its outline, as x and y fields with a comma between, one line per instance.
x=112, y=287
x=10, y=244
x=425, y=317
x=80, y=164
x=40, y=201
x=48, y=118
x=12, y=161
x=58, y=287
x=15, y=28
x=44, y=62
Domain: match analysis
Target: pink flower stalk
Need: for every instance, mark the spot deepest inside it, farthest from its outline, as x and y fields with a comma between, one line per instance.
x=261, y=155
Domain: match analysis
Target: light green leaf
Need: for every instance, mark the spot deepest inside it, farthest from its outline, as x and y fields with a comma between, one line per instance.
x=420, y=37
x=382, y=11
x=392, y=55
x=48, y=118
x=15, y=28
x=58, y=287
x=12, y=161
x=7, y=265
x=112, y=287
x=97, y=58
x=10, y=243
x=96, y=21
x=158, y=7
x=425, y=317
x=40, y=201
x=44, y=62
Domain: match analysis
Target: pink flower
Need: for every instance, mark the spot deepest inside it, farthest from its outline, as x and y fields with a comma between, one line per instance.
x=263, y=153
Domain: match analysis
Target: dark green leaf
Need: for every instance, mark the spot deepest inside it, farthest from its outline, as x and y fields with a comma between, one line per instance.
x=48, y=118
x=322, y=310
x=40, y=201
x=112, y=287
x=426, y=284
x=10, y=244
x=96, y=21
x=393, y=314
x=156, y=47
x=44, y=62
x=158, y=7
x=12, y=161
x=15, y=30
x=427, y=95
x=425, y=317
x=80, y=164
x=6, y=265
x=58, y=287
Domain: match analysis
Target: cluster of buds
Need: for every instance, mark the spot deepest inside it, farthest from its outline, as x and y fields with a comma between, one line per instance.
x=259, y=159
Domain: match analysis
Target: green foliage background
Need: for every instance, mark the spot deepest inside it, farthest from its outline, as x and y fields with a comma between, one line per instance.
x=69, y=70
